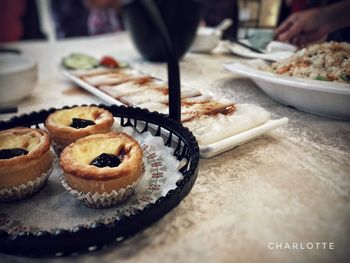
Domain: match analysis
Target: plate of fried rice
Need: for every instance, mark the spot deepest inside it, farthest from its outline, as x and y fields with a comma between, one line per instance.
x=315, y=79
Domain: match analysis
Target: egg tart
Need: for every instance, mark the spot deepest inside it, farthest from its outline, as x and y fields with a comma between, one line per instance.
x=25, y=162
x=102, y=163
x=67, y=125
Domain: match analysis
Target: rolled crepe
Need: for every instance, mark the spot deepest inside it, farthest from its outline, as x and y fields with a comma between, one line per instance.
x=192, y=107
x=142, y=91
x=131, y=87
x=214, y=128
x=117, y=77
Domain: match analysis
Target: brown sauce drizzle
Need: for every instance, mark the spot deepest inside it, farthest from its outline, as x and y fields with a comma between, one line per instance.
x=163, y=90
x=226, y=111
x=189, y=103
x=143, y=80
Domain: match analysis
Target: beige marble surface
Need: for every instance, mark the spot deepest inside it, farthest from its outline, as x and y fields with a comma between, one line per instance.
x=292, y=185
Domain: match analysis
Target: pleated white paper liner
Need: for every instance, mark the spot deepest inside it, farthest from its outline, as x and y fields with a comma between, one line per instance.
x=157, y=158
x=22, y=191
x=57, y=148
x=98, y=200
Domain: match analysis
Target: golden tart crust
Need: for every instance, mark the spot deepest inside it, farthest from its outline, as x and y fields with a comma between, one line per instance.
x=24, y=168
x=58, y=123
x=80, y=175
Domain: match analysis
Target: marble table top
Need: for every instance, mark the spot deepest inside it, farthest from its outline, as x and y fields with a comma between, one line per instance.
x=269, y=200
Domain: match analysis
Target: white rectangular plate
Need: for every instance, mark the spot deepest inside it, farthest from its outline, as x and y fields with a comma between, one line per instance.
x=91, y=89
x=241, y=138
x=205, y=151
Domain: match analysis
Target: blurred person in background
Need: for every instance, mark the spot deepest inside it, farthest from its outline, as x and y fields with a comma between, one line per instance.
x=314, y=21
x=217, y=10
x=72, y=18
x=86, y=17
x=19, y=20
x=104, y=17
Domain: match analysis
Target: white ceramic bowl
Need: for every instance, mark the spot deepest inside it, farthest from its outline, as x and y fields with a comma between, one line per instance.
x=18, y=77
x=322, y=98
x=207, y=38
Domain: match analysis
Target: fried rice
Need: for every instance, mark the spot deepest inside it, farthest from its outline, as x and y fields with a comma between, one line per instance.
x=329, y=61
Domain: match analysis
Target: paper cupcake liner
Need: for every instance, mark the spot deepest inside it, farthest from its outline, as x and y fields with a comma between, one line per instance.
x=22, y=191
x=58, y=148
x=98, y=200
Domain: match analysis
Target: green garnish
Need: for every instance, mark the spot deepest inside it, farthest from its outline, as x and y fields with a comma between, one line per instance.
x=345, y=77
x=321, y=78
x=80, y=61
x=123, y=64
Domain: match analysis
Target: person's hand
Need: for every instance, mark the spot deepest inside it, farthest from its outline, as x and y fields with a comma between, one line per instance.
x=304, y=27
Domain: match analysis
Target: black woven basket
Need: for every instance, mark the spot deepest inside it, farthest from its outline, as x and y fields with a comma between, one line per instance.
x=79, y=239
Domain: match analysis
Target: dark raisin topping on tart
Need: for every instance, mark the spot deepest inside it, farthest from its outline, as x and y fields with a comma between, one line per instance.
x=81, y=123
x=105, y=159
x=10, y=153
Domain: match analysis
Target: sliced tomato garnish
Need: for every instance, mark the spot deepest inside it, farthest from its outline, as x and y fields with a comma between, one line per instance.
x=109, y=62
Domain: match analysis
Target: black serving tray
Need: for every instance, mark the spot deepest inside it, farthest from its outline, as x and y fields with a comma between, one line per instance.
x=80, y=239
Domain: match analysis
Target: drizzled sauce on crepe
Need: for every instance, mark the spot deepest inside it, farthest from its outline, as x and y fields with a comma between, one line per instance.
x=208, y=108
x=212, y=112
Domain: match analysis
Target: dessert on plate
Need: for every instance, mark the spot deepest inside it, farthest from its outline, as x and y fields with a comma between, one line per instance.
x=67, y=125
x=103, y=165
x=25, y=162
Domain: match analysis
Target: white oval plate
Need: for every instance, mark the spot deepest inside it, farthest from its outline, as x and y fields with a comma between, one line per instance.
x=274, y=51
x=322, y=98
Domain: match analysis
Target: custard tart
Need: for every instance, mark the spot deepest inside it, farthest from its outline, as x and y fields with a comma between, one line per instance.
x=67, y=125
x=25, y=162
x=102, y=163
